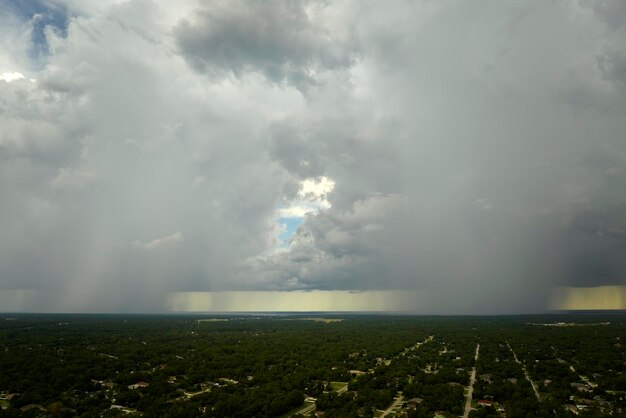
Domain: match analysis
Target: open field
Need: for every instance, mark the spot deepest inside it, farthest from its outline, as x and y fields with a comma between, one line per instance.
x=324, y=320
x=339, y=386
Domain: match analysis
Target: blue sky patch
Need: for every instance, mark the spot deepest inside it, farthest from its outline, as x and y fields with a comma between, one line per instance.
x=50, y=14
x=290, y=226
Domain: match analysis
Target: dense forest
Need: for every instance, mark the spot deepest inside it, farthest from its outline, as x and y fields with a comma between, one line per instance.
x=307, y=365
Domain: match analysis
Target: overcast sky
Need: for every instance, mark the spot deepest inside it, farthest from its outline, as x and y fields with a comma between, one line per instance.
x=474, y=152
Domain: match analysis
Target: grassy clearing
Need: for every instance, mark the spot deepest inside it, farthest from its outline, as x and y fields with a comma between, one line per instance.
x=338, y=385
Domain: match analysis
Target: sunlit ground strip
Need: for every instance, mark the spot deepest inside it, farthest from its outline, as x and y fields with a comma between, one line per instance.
x=421, y=301
x=296, y=301
x=589, y=298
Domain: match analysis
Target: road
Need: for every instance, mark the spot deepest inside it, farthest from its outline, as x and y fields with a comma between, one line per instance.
x=470, y=389
x=192, y=394
x=583, y=378
x=310, y=408
x=573, y=370
x=525, y=372
x=393, y=405
x=306, y=410
x=416, y=346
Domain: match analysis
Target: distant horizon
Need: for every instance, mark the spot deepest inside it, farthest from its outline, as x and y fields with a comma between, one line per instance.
x=320, y=313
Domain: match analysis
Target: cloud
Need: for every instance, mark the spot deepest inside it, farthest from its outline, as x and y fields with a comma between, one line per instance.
x=8, y=77
x=169, y=240
x=330, y=250
x=475, y=155
x=69, y=178
x=284, y=41
x=312, y=197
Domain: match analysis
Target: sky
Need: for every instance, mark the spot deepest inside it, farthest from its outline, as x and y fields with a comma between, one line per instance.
x=437, y=157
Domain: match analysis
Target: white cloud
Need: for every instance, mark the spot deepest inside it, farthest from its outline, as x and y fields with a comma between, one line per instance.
x=312, y=197
x=12, y=76
x=297, y=210
x=167, y=241
x=316, y=188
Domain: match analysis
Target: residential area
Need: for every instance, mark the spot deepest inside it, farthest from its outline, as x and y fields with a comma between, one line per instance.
x=349, y=366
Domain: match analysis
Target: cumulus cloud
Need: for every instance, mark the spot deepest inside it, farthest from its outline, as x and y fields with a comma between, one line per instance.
x=312, y=197
x=472, y=154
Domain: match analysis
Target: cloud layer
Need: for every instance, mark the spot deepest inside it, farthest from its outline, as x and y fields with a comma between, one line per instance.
x=475, y=154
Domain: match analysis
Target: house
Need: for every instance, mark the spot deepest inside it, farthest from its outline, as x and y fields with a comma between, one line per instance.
x=413, y=402
x=485, y=402
x=32, y=406
x=138, y=385
x=581, y=387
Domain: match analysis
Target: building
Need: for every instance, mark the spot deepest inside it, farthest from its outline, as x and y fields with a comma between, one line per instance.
x=138, y=385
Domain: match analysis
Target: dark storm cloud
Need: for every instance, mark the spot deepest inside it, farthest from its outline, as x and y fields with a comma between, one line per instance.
x=278, y=39
x=476, y=154
x=500, y=157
